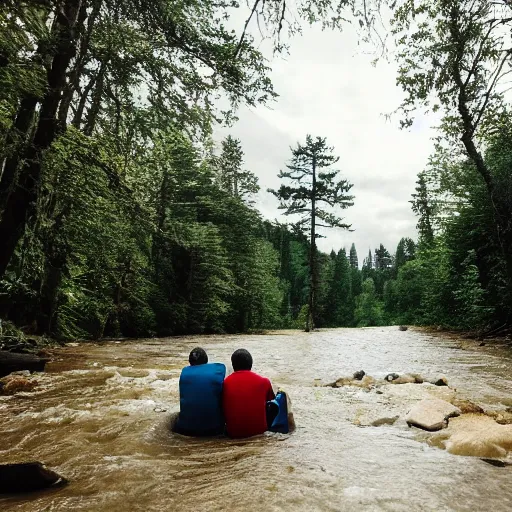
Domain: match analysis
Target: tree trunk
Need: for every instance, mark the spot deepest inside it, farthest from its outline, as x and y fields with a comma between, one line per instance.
x=92, y=115
x=23, y=197
x=310, y=320
x=81, y=60
x=56, y=252
x=19, y=130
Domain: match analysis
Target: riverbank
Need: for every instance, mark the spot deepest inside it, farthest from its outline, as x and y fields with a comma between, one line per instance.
x=468, y=340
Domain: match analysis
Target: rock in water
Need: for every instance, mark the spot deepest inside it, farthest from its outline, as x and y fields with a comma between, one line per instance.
x=439, y=381
x=478, y=436
x=467, y=407
x=402, y=328
x=27, y=476
x=359, y=375
x=407, y=378
x=13, y=384
x=384, y=421
x=431, y=414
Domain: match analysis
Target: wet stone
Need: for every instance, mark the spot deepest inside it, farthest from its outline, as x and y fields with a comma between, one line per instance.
x=431, y=414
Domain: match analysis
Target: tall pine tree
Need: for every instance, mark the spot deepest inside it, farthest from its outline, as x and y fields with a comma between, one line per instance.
x=313, y=191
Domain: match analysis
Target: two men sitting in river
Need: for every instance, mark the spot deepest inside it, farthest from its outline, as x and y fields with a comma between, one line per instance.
x=243, y=405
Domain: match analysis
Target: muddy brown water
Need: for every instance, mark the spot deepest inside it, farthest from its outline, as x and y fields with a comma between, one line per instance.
x=100, y=416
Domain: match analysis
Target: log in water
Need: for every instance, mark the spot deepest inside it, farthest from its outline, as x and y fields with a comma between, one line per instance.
x=100, y=416
x=13, y=362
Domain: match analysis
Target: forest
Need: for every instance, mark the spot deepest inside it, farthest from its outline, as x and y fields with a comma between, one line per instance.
x=121, y=216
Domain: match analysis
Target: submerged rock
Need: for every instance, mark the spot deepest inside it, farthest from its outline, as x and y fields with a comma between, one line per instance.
x=366, y=382
x=501, y=417
x=384, y=421
x=467, y=407
x=431, y=414
x=28, y=476
x=497, y=463
x=439, y=381
x=14, y=383
x=407, y=378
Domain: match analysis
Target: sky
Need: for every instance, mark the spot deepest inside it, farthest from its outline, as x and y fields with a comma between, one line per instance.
x=328, y=87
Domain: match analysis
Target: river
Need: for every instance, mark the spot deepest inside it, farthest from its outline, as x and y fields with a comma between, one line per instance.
x=99, y=417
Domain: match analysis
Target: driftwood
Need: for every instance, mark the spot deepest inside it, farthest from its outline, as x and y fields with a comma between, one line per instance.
x=12, y=362
x=28, y=476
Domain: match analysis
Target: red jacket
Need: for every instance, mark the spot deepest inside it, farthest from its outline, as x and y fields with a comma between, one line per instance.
x=244, y=396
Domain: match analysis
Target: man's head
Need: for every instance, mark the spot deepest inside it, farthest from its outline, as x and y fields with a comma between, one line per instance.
x=241, y=359
x=197, y=356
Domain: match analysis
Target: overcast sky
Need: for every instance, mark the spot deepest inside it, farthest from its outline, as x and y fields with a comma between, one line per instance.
x=329, y=88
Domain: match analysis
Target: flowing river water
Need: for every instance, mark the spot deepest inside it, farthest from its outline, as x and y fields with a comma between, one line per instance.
x=99, y=417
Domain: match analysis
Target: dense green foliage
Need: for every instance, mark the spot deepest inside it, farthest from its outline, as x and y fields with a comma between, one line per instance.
x=119, y=216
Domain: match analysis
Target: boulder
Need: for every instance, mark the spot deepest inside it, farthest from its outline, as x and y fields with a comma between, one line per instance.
x=14, y=383
x=407, y=378
x=402, y=328
x=366, y=382
x=478, y=435
x=27, y=476
x=359, y=375
x=439, y=381
x=431, y=414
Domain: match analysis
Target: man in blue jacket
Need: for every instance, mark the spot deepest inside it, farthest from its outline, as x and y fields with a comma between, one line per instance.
x=201, y=397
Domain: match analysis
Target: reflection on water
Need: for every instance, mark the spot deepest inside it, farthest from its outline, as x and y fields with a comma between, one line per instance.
x=100, y=414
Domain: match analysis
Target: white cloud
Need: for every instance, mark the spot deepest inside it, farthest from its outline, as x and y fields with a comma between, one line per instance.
x=329, y=88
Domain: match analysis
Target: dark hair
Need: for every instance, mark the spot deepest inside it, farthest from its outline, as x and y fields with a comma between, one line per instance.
x=241, y=359
x=197, y=356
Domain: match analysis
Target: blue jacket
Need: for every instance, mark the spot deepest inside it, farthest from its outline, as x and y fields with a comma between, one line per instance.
x=201, y=400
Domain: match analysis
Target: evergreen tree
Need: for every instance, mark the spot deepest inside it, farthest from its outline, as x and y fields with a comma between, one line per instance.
x=369, y=310
x=340, y=300
x=405, y=251
x=383, y=259
x=368, y=261
x=313, y=188
x=353, y=257
x=422, y=206
x=230, y=175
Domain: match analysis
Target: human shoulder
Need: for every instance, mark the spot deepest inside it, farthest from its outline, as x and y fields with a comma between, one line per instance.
x=206, y=369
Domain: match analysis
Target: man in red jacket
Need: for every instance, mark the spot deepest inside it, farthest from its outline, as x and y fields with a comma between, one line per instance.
x=245, y=395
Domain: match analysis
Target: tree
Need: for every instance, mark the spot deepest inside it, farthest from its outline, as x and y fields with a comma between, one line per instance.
x=313, y=188
x=369, y=310
x=405, y=251
x=93, y=62
x=354, y=263
x=230, y=174
x=340, y=301
x=423, y=207
x=456, y=57
x=383, y=259
x=368, y=261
